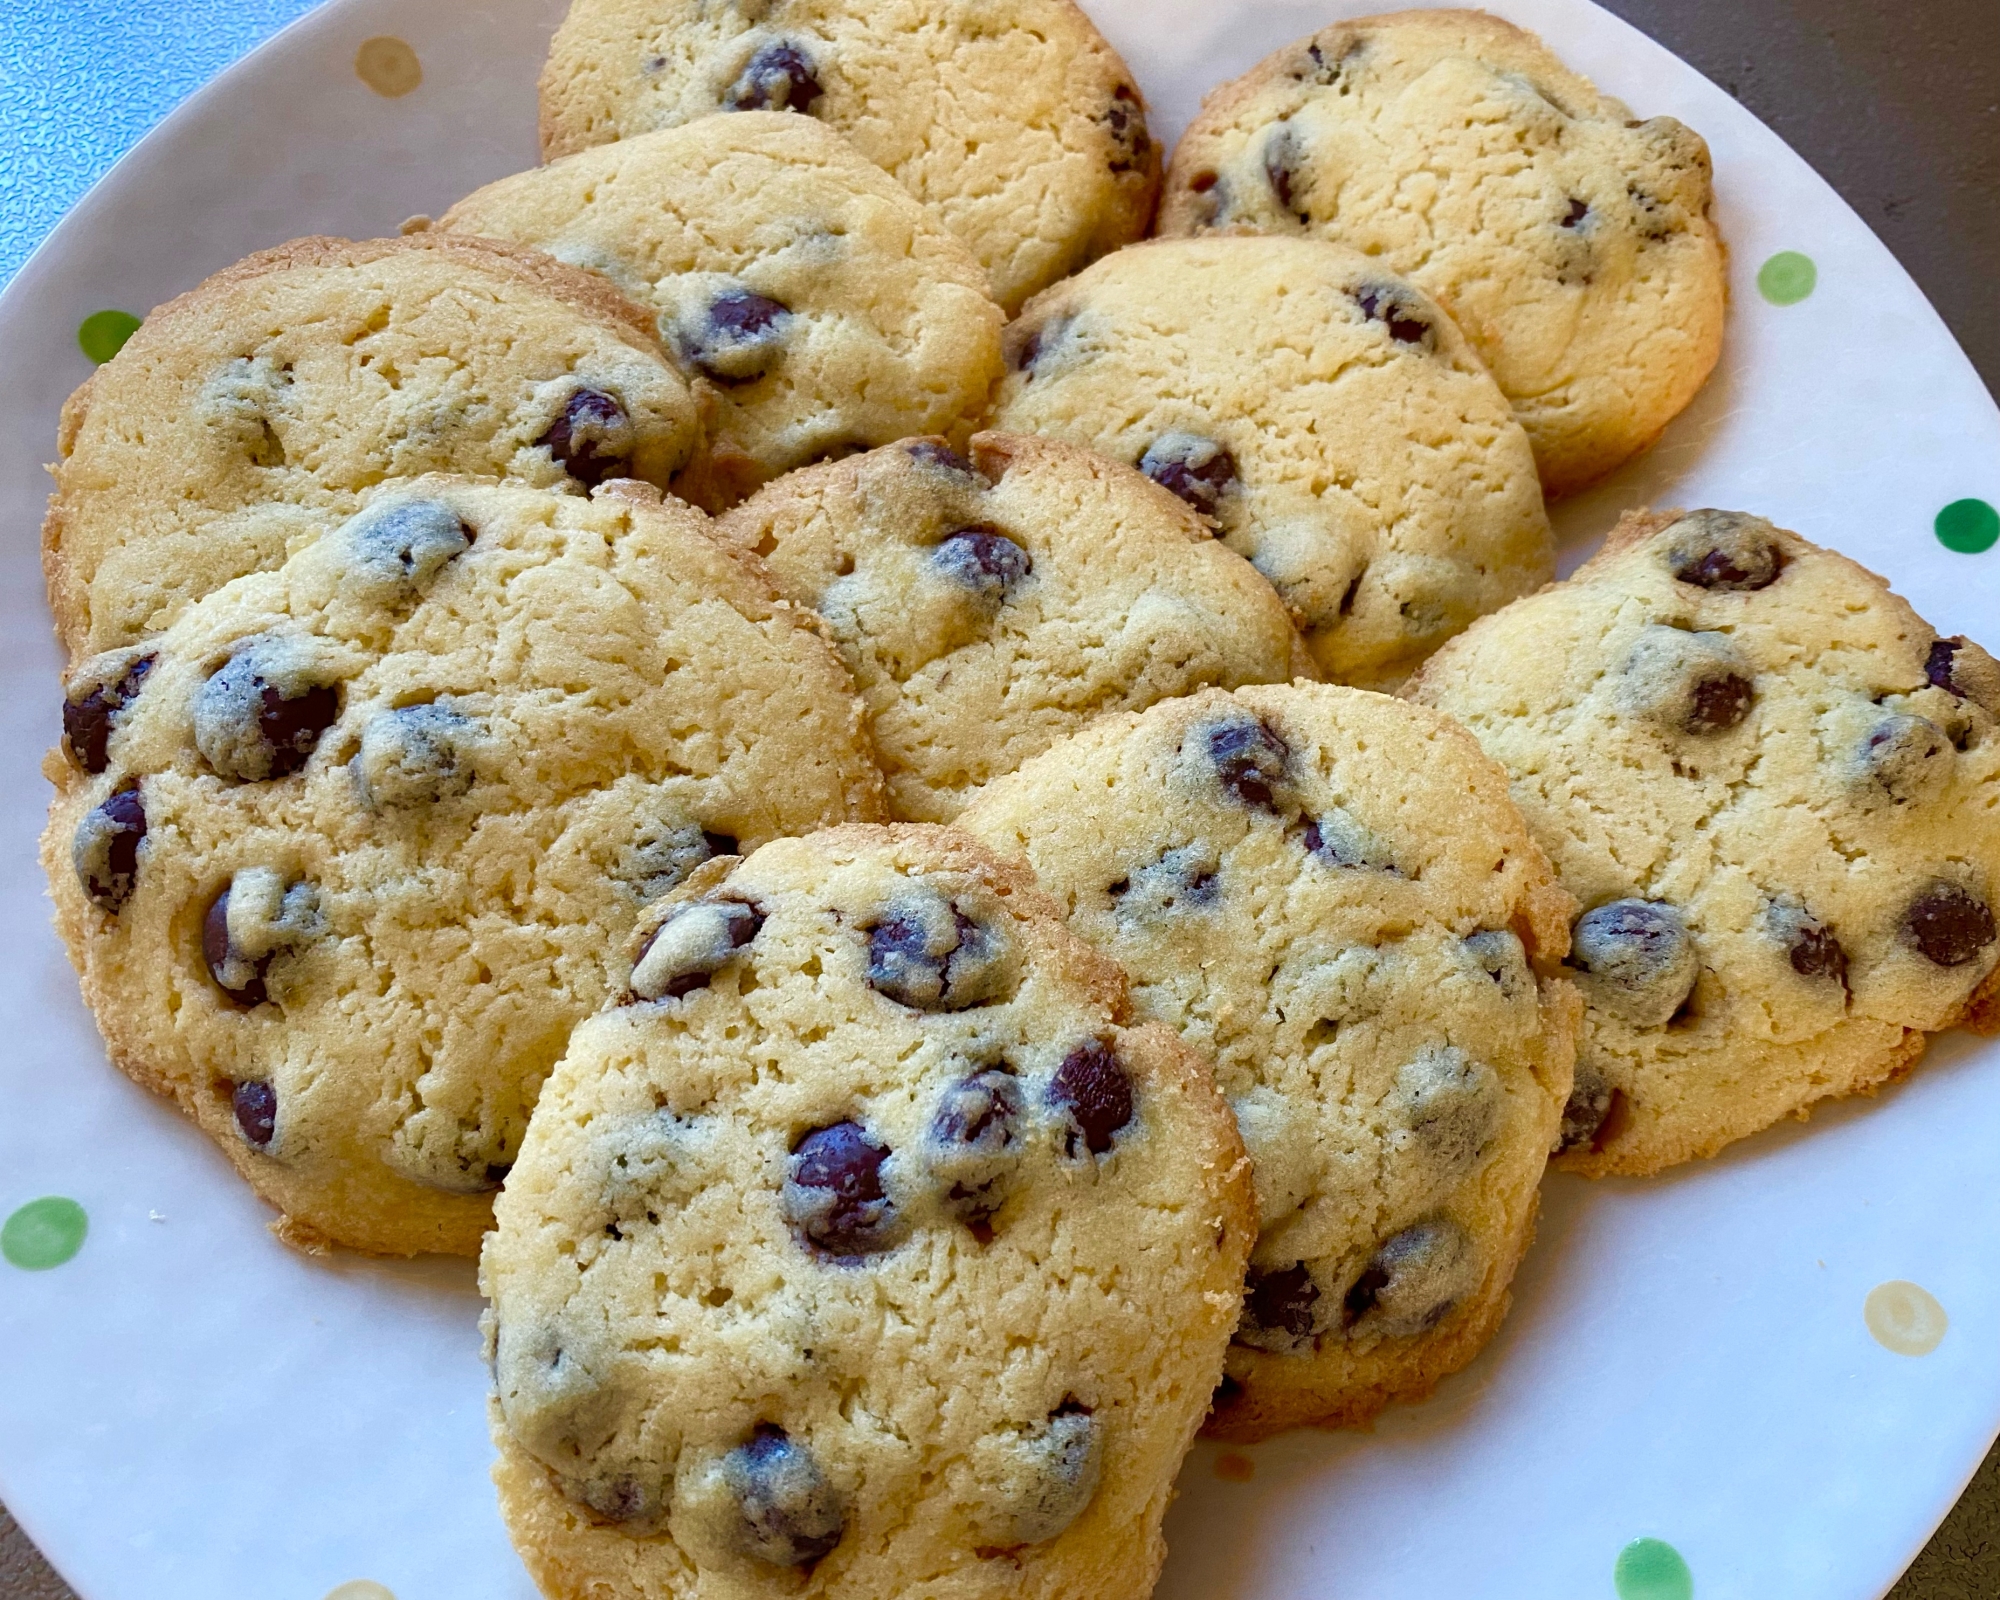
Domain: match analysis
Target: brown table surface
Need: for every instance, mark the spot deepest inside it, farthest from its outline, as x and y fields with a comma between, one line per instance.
x=1898, y=106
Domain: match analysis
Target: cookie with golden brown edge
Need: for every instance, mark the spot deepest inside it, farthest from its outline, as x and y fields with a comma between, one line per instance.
x=1324, y=415
x=344, y=854
x=1017, y=126
x=989, y=604
x=829, y=309
x=244, y=414
x=1573, y=243
x=1329, y=894
x=1774, y=792
x=865, y=1248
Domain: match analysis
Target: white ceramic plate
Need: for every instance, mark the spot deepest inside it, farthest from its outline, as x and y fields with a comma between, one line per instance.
x=189, y=1411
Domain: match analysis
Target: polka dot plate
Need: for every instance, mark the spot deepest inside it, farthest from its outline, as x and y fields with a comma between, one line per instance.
x=1767, y=1375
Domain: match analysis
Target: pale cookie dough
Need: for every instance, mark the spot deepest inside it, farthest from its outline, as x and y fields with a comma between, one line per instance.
x=989, y=605
x=1325, y=416
x=345, y=853
x=1015, y=123
x=830, y=311
x=244, y=414
x=1775, y=795
x=1572, y=243
x=1329, y=893
x=864, y=1249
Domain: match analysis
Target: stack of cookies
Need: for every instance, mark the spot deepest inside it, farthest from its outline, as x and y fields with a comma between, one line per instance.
x=959, y=842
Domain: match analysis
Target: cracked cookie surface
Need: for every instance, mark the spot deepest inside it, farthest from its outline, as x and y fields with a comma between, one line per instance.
x=866, y=1248
x=989, y=604
x=1572, y=242
x=1325, y=417
x=343, y=854
x=1334, y=899
x=1774, y=792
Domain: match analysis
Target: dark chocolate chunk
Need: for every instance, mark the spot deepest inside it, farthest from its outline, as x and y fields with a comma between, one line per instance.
x=1948, y=925
x=1095, y=1092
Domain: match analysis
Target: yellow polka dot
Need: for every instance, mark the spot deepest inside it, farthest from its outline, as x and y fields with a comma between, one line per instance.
x=1904, y=1318
x=388, y=66
x=359, y=1589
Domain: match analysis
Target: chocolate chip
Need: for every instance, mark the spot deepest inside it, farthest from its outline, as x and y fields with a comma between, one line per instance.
x=1046, y=1476
x=92, y=702
x=1198, y=470
x=256, y=1108
x=1948, y=925
x=739, y=338
x=1180, y=880
x=695, y=942
x=1284, y=154
x=974, y=1144
x=789, y=1515
x=1029, y=346
x=936, y=453
x=1719, y=703
x=1586, y=1110
x=1396, y=310
x=984, y=561
x=1686, y=682
x=1963, y=670
x=779, y=77
x=833, y=1195
x=105, y=850
x=1093, y=1090
x=1724, y=550
x=260, y=715
x=1637, y=959
x=414, y=755
x=927, y=954
x=1283, y=1301
x=1809, y=944
x=396, y=547
x=593, y=438
x=1337, y=840
x=1250, y=761
x=1452, y=1106
x=1499, y=954
x=257, y=916
x=1125, y=121
x=1412, y=1282
x=1909, y=757
x=1578, y=210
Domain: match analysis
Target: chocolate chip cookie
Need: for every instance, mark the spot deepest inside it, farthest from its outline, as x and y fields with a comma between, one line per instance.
x=344, y=853
x=1329, y=894
x=1017, y=125
x=1572, y=242
x=863, y=1248
x=1324, y=415
x=242, y=415
x=1774, y=792
x=989, y=604
x=830, y=311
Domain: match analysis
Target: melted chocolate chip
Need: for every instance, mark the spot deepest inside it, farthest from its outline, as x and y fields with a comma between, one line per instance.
x=1284, y=153
x=256, y=1108
x=395, y=547
x=740, y=337
x=1585, y=1111
x=1337, y=840
x=1686, y=682
x=257, y=916
x=1578, y=210
x=1724, y=550
x=975, y=1143
x=1413, y=1281
x=779, y=77
x=247, y=990
x=1198, y=470
x=833, y=1195
x=1406, y=321
x=936, y=453
x=695, y=942
x=1809, y=944
x=260, y=715
x=414, y=756
x=592, y=439
x=1093, y=1089
x=1937, y=665
x=91, y=707
x=927, y=954
x=1125, y=121
x=105, y=850
x=1283, y=1300
x=983, y=560
x=1909, y=756
x=1637, y=958
x=1249, y=760
x=1717, y=704
x=790, y=1516
x=1948, y=925
x=1178, y=881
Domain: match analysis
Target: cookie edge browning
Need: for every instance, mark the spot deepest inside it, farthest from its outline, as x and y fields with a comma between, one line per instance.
x=444, y=1224
x=557, y=1540
x=585, y=293
x=1980, y=1012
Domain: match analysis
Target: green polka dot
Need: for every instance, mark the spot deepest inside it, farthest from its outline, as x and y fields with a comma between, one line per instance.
x=103, y=334
x=1787, y=278
x=1652, y=1569
x=1968, y=526
x=44, y=1233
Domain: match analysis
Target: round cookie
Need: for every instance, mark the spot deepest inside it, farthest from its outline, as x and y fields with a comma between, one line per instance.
x=243, y=414
x=1326, y=417
x=989, y=606
x=1775, y=795
x=865, y=1249
x=1572, y=243
x=344, y=854
x=1329, y=894
x=829, y=309
x=1017, y=125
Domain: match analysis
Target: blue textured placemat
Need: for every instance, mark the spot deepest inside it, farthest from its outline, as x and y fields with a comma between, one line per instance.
x=82, y=80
